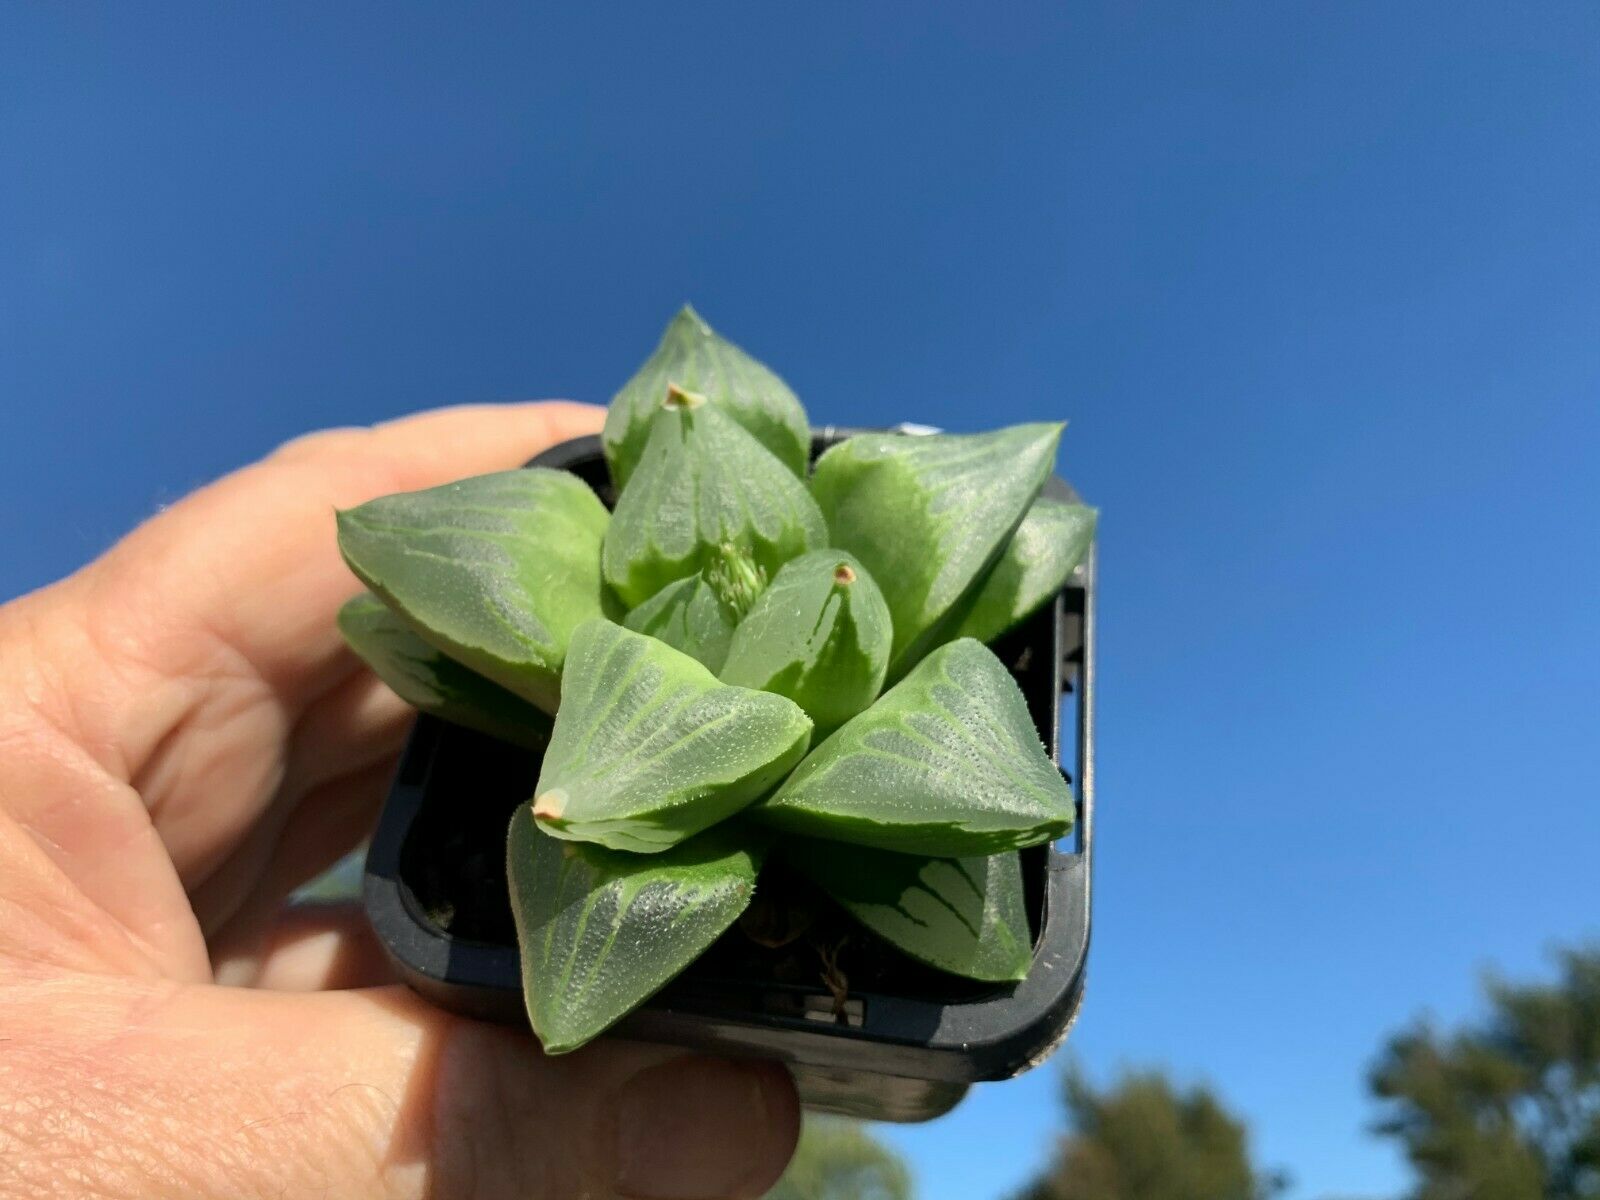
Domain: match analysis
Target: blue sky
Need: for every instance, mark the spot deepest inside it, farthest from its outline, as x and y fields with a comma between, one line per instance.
x=1317, y=286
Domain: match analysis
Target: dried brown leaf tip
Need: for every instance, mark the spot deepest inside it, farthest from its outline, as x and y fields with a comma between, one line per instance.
x=682, y=397
x=550, y=806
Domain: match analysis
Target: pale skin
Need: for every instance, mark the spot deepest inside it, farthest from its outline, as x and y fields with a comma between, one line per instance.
x=183, y=740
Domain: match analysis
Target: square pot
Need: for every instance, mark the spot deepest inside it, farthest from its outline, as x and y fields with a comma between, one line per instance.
x=902, y=1046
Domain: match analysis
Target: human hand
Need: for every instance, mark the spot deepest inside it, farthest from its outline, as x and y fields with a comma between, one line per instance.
x=184, y=739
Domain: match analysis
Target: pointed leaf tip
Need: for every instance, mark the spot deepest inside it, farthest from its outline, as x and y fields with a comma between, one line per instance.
x=548, y=806
x=820, y=635
x=702, y=485
x=681, y=397
x=649, y=748
x=928, y=516
x=692, y=355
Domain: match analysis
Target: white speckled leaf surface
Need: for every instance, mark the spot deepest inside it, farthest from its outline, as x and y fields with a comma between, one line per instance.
x=601, y=931
x=694, y=356
x=963, y=915
x=946, y=762
x=649, y=747
x=496, y=570
x=929, y=515
x=431, y=682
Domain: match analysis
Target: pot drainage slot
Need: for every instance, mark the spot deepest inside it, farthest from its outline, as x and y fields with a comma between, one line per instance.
x=815, y=1006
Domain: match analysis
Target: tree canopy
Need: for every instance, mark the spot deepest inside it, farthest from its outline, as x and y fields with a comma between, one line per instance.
x=840, y=1160
x=1144, y=1139
x=1508, y=1108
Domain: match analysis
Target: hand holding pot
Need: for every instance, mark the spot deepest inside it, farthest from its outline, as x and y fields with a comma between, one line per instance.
x=184, y=740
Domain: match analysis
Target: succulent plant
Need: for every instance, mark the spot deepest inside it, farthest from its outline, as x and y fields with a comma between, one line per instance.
x=743, y=662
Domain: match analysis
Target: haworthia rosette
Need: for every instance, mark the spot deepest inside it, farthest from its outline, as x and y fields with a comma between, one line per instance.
x=820, y=635
x=703, y=488
x=649, y=748
x=947, y=762
x=601, y=931
x=433, y=683
x=962, y=915
x=694, y=357
x=928, y=515
x=496, y=571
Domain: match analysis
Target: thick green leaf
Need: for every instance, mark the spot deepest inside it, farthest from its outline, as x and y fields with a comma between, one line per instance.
x=1052, y=539
x=649, y=748
x=601, y=931
x=696, y=359
x=819, y=635
x=429, y=681
x=703, y=489
x=963, y=915
x=945, y=763
x=690, y=616
x=928, y=515
x=496, y=571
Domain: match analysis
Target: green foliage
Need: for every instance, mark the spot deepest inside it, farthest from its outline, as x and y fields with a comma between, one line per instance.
x=947, y=762
x=1053, y=539
x=432, y=683
x=840, y=1160
x=649, y=748
x=691, y=616
x=696, y=359
x=819, y=635
x=734, y=576
x=704, y=483
x=584, y=914
x=1144, y=1139
x=930, y=515
x=963, y=915
x=495, y=597
x=496, y=571
x=1508, y=1108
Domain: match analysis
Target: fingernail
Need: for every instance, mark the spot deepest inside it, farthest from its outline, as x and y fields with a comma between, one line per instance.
x=704, y=1129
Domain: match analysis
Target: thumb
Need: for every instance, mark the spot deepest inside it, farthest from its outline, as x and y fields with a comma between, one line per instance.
x=199, y=1091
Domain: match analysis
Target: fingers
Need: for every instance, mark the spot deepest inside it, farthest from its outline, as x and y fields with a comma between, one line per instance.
x=252, y=559
x=172, y=674
x=309, y=948
x=250, y=567
x=48, y=924
x=279, y=855
x=223, y=1091
x=362, y=717
x=670, y=1136
x=84, y=878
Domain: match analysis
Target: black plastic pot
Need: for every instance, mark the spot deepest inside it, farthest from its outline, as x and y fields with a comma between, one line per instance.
x=903, y=1046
